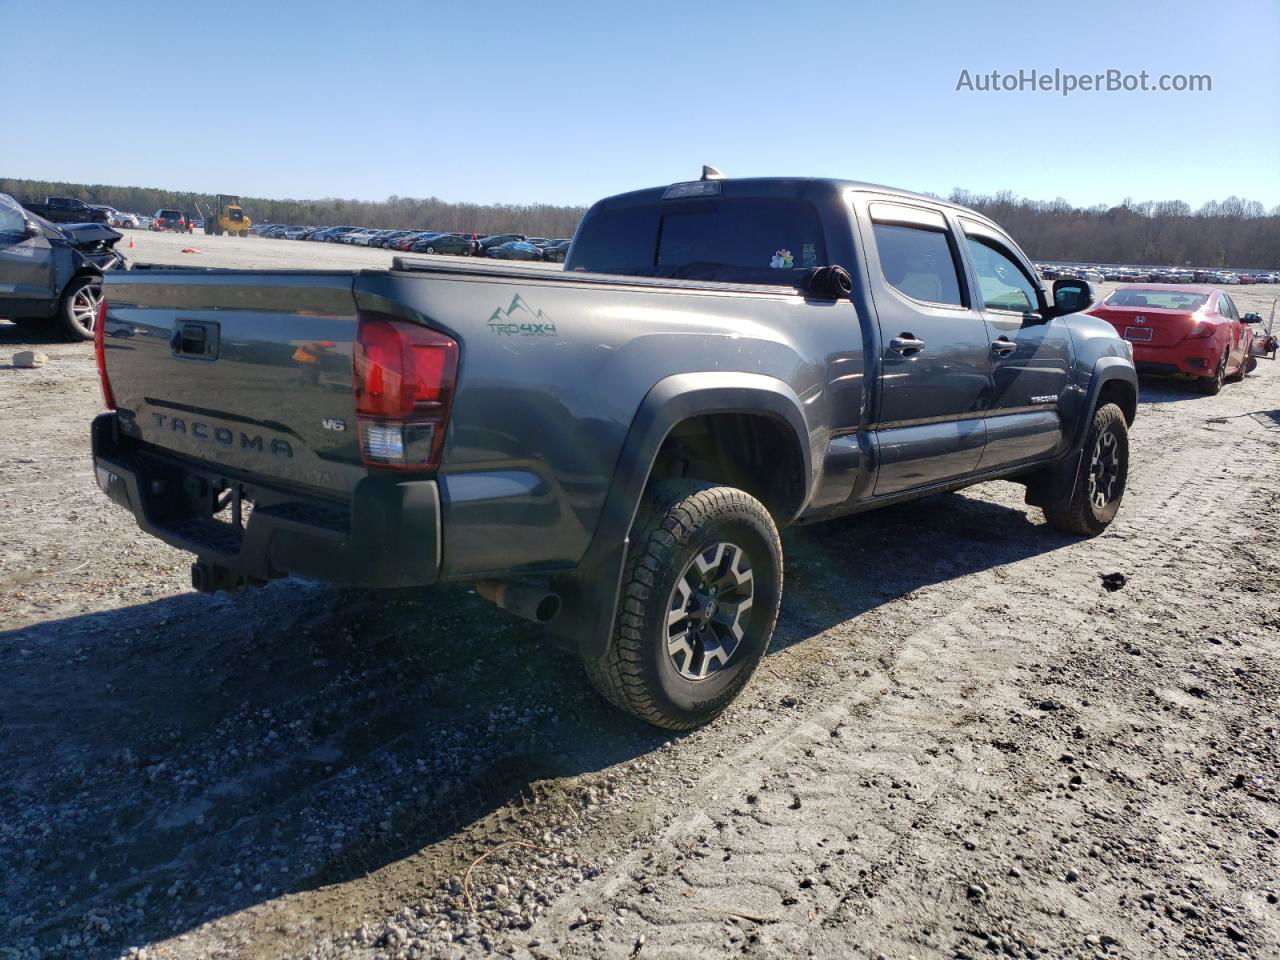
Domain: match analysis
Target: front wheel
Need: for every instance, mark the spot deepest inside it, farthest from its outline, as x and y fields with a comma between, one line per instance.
x=78, y=312
x=1101, y=478
x=699, y=600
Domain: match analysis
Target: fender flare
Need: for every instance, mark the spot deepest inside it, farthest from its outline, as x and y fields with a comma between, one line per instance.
x=1054, y=484
x=1106, y=370
x=590, y=594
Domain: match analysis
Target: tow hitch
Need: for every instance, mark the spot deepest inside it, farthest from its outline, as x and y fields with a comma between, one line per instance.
x=210, y=578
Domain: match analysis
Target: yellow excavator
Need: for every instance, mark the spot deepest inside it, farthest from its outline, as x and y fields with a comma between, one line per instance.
x=226, y=216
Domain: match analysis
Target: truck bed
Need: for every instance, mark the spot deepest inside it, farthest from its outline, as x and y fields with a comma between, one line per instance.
x=248, y=375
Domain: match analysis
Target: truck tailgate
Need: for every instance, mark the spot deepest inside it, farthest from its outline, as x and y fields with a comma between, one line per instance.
x=251, y=373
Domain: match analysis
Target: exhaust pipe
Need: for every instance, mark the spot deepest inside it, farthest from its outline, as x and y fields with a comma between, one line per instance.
x=523, y=599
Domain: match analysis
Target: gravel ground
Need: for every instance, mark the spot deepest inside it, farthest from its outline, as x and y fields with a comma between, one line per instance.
x=962, y=744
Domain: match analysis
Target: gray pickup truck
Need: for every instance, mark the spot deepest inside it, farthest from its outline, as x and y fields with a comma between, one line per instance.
x=611, y=449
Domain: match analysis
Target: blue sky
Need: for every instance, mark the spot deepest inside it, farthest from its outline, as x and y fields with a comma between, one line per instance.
x=564, y=102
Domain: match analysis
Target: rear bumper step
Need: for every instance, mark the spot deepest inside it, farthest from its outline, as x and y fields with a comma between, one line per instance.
x=387, y=536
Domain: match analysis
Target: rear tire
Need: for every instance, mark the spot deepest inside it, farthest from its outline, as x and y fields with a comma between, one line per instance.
x=1212, y=386
x=700, y=594
x=1101, y=477
x=1242, y=371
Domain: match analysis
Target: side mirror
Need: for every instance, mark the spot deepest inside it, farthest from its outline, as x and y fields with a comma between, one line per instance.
x=1071, y=296
x=1251, y=318
x=32, y=229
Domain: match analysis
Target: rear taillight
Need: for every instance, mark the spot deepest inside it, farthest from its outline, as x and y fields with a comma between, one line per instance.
x=404, y=378
x=99, y=349
x=1205, y=328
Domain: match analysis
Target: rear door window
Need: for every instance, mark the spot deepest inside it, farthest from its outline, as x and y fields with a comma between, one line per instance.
x=918, y=262
x=1227, y=308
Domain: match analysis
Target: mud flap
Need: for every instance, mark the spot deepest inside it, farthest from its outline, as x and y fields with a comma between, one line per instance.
x=1053, y=485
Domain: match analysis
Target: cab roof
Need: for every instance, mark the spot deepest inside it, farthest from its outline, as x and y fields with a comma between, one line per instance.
x=783, y=187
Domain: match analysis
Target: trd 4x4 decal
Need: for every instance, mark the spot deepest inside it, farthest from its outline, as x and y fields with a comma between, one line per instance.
x=520, y=320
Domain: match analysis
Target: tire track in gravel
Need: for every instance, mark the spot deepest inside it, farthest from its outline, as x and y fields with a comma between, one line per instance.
x=777, y=833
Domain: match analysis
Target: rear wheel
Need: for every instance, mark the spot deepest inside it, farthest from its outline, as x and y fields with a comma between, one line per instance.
x=1211, y=386
x=1100, y=480
x=700, y=595
x=78, y=312
x=1242, y=371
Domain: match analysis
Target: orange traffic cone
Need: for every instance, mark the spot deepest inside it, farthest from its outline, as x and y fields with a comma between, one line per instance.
x=131, y=243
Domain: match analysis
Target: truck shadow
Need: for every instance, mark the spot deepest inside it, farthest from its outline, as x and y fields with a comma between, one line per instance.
x=175, y=761
x=12, y=335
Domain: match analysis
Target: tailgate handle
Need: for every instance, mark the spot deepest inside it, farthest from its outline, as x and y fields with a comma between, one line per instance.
x=196, y=339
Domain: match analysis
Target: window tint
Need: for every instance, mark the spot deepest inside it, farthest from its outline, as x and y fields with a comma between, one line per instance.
x=1226, y=307
x=746, y=233
x=742, y=233
x=918, y=262
x=1003, y=284
x=1160, y=299
x=11, y=218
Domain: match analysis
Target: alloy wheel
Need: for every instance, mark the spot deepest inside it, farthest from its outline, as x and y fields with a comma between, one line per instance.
x=84, y=307
x=1104, y=469
x=709, y=610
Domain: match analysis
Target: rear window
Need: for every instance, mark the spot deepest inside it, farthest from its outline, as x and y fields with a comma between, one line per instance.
x=734, y=233
x=919, y=263
x=169, y=214
x=1159, y=299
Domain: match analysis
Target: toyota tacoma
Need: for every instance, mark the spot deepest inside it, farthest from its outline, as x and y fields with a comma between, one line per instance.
x=612, y=449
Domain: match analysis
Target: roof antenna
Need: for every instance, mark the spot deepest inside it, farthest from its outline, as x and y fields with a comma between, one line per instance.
x=711, y=173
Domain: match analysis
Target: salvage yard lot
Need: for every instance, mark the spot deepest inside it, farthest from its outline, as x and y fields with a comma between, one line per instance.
x=257, y=253
x=961, y=742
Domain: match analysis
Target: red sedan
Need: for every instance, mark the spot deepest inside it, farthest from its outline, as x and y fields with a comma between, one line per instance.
x=1181, y=330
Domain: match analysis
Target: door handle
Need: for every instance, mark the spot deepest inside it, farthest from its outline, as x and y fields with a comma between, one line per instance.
x=1003, y=347
x=906, y=344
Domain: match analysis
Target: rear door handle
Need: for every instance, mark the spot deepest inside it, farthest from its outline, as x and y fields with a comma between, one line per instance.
x=1003, y=347
x=906, y=345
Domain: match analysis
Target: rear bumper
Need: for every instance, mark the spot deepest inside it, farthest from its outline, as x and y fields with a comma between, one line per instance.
x=387, y=535
x=1195, y=358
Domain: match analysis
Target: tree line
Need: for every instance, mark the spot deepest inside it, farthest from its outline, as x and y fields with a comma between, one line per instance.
x=429, y=213
x=1229, y=233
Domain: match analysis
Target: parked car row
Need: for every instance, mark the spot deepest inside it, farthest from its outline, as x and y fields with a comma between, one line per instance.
x=1098, y=274
x=502, y=246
